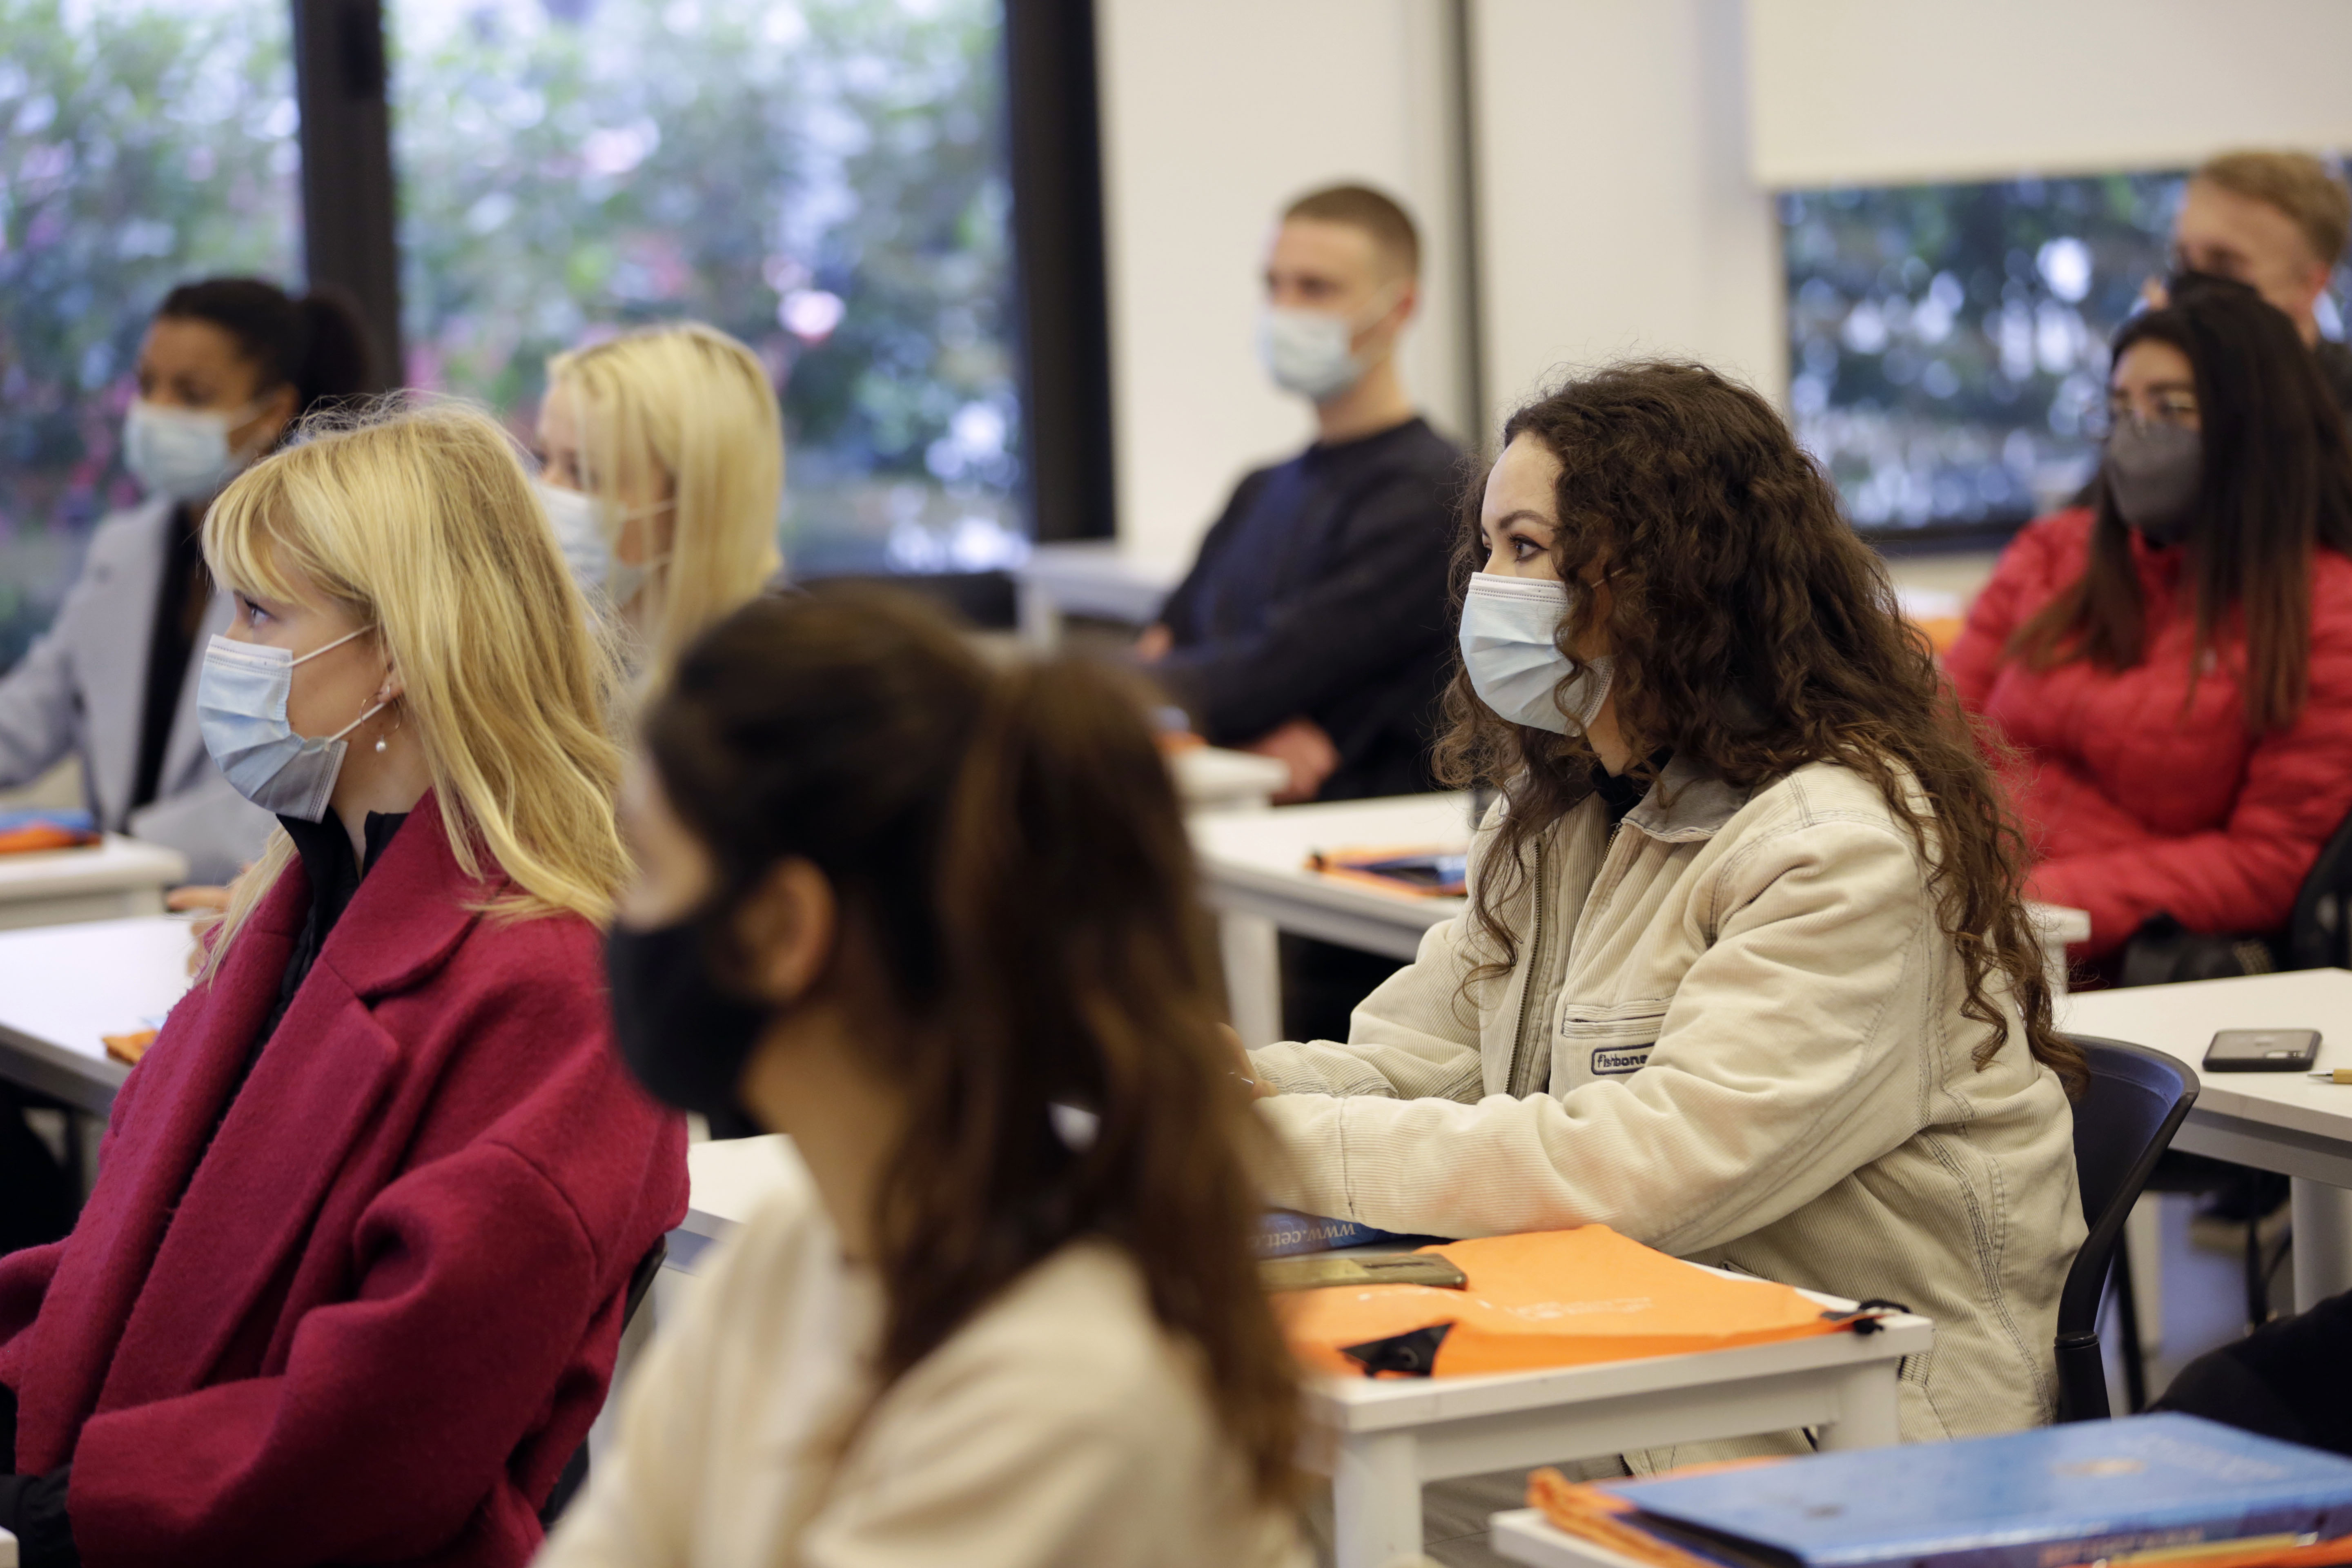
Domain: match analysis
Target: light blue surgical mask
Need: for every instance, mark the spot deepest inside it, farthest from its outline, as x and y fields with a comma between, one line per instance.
x=241, y=709
x=1313, y=352
x=587, y=541
x=1509, y=627
x=579, y=533
x=182, y=453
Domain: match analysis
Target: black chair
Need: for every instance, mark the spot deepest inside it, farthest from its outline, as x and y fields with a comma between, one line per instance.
x=2319, y=930
x=2123, y=1124
x=575, y=1470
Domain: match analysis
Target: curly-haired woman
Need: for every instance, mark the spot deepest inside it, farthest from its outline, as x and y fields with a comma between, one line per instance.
x=1746, y=974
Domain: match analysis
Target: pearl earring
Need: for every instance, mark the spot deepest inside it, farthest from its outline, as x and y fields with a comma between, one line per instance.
x=379, y=745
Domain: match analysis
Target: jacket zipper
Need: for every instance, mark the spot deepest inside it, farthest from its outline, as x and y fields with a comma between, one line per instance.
x=1517, y=1088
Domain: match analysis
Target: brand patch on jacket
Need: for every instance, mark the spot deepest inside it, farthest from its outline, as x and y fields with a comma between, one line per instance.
x=1611, y=1061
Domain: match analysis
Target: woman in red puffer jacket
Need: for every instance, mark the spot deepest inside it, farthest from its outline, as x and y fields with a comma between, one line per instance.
x=2174, y=663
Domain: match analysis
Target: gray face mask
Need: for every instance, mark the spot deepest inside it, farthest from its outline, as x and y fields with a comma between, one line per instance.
x=2154, y=473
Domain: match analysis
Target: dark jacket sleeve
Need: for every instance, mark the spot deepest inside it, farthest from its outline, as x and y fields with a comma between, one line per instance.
x=1375, y=602
x=1181, y=612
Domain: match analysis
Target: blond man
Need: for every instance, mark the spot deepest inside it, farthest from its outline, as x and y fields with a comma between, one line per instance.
x=2276, y=222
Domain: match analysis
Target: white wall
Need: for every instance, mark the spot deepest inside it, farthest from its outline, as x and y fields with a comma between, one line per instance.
x=1215, y=114
x=1619, y=217
x=1874, y=92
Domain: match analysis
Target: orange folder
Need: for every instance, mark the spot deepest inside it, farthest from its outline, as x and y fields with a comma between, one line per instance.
x=1559, y=1298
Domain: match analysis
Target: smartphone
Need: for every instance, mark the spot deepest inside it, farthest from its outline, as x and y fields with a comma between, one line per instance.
x=2262, y=1050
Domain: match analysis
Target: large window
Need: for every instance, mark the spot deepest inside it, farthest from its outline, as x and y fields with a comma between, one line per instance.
x=824, y=180
x=141, y=143
x=1947, y=344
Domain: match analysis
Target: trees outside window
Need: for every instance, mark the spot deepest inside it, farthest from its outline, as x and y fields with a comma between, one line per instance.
x=825, y=181
x=1949, y=343
x=141, y=143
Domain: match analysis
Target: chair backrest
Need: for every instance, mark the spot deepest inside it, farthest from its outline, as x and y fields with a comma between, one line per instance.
x=2319, y=931
x=2123, y=1124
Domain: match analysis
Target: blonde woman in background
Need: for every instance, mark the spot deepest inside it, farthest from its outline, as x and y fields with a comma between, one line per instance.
x=351, y=1282
x=664, y=475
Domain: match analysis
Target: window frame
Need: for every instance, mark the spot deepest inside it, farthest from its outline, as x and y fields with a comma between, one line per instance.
x=350, y=231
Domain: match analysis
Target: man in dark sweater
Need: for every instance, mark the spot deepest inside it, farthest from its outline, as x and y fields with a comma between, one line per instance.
x=1314, y=627
x=2276, y=222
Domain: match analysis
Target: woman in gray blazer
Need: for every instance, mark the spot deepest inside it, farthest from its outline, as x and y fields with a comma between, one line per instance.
x=227, y=368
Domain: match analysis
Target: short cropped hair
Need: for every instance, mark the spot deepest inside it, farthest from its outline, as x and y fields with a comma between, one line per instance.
x=2296, y=184
x=1374, y=211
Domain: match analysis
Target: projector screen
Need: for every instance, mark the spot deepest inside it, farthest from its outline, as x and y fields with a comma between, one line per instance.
x=1889, y=93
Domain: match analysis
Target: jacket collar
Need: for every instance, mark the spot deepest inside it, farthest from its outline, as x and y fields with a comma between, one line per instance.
x=413, y=909
x=1687, y=803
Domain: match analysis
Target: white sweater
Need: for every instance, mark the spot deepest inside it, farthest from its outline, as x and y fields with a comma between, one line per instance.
x=1060, y=1426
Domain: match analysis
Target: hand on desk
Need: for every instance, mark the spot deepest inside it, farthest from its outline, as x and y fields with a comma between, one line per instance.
x=1301, y=746
x=1153, y=645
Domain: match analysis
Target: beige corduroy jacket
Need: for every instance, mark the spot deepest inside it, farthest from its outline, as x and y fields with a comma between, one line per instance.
x=1733, y=1031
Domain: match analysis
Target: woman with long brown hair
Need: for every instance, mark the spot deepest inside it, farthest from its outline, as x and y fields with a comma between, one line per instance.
x=2173, y=663
x=1746, y=974
x=935, y=923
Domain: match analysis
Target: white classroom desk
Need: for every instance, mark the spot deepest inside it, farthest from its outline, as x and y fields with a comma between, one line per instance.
x=1211, y=778
x=1394, y=1434
x=1524, y=1535
x=725, y=1181
x=113, y=878
x=1101, y=579
x=61, y=987
x=2275, y=1121
x=1253, y=874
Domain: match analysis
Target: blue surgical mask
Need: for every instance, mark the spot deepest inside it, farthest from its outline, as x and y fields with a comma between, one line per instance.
x=1312, y=352
x=587, y=541
x=1510, y=628
x=579, y=526
x=182, y=453
x=241, y=709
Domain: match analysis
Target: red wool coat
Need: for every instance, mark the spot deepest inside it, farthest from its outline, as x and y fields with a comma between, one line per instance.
x=377, y=1315
x=2141, y=796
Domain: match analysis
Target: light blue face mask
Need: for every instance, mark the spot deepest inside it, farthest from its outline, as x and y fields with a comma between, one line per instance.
x=1508, y=627
x=241, y=709
x=581, y=535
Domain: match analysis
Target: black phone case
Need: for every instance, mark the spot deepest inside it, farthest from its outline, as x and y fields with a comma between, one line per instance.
x=2300, y=1059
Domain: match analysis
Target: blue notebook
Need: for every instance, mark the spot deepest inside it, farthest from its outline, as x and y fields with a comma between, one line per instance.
x=1287, y=1234
x=2029, y=1499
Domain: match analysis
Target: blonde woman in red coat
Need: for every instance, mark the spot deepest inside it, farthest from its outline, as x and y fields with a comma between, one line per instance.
x=350, y=1284
x=2174, y=664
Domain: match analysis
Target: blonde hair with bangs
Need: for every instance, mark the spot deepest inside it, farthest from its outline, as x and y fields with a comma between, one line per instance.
x=420, y=519
x=687, y=404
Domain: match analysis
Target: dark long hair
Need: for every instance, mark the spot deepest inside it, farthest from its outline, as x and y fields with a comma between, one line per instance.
x=2277, y=480
x=313, y=343
x=1018, y=908
x=1754, y=633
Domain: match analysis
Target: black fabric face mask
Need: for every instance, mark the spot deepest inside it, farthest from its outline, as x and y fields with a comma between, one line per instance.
x=2154, y=473
x=683, y=1035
